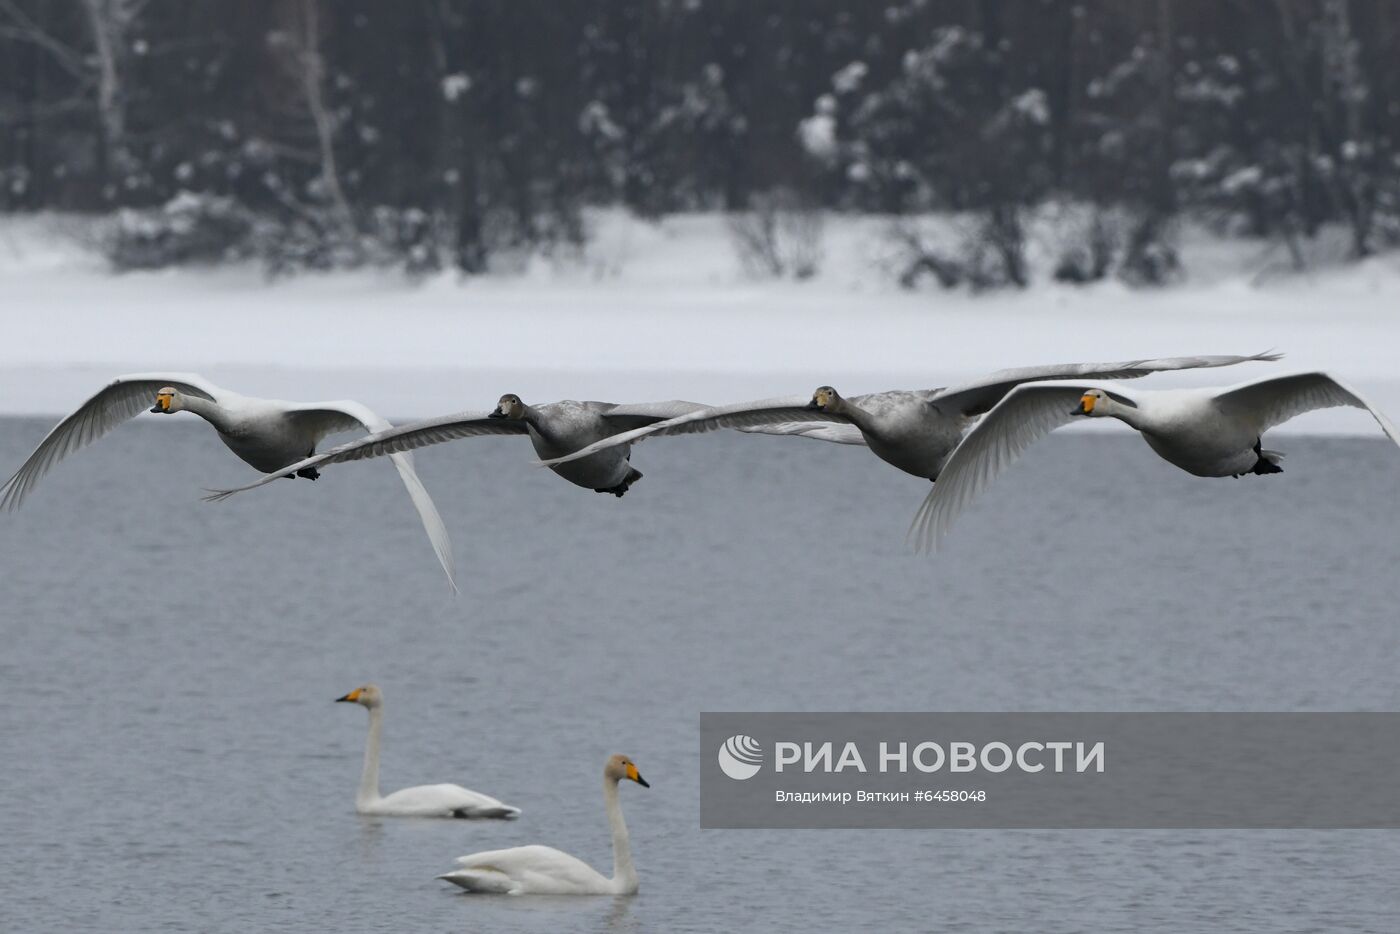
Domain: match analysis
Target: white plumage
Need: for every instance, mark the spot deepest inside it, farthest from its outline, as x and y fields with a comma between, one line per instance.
x=421, y=800
x=267, y=434
x=543, y=870
x=1210, y=432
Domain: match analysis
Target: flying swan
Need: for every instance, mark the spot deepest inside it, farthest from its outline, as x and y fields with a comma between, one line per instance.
x=1210, y=432
x=914, y=430
x=555, y=429
x=543, y=870
x=419, y=801
x=267, y=434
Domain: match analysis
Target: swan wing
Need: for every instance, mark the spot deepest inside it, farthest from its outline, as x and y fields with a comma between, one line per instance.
x=319, y=419
x=399, y=440
x=326, y=418
x=1277, y=399
x=1028, y=413
x=639, y=415
x=739, y=415
x=446, y=801
x=980, y=395
x=541, y=869
x=835, y=432
x=481, y=880
x=120, y=400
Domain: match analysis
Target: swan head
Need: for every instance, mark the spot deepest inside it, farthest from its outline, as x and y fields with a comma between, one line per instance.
x=367, y=696
x=167, y=401
x=620, y=767
x=510, y=406
x=825, y=399
x=1094, y=402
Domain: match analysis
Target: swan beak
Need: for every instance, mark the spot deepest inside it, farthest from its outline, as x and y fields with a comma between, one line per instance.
x=636, y=776
x=497, y=413
x=1086, y=406
x=162, y=403
x=349, y=698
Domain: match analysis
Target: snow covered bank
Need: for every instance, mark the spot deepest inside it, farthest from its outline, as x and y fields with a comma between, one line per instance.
x=652, y=312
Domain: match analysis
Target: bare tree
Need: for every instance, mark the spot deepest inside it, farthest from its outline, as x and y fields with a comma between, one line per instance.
x=102, y=73
x=302, y=45
x=1347, y=92
x=111, y=22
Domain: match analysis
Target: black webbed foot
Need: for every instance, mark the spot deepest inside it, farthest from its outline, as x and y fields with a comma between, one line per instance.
x=310, y=473
x=1264, y=465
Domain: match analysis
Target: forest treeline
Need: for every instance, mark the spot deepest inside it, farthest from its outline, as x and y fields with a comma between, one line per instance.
x=438, y=132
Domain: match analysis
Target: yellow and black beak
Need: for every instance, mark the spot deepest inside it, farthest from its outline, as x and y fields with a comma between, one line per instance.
x=162, y=403
x=349, y=698
x=1086, y=405
x=636, y=776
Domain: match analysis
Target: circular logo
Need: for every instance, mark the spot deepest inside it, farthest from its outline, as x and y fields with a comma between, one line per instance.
x=740, y=757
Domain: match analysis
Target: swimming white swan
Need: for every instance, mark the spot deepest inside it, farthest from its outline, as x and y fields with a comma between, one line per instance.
x=543, y=870
x=915, y=430
x=422, y=800
x=554, y=429
x=267, y=434
x=1212, y=432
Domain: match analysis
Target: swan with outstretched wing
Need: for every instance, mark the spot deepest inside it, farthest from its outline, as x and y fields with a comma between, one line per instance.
x=267, y=434
x=1209, y=432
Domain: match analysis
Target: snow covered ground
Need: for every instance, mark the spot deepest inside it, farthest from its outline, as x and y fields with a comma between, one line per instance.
x=655, y=311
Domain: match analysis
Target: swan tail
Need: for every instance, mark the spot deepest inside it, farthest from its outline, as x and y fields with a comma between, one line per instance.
x=504, y=812
x=480, y=880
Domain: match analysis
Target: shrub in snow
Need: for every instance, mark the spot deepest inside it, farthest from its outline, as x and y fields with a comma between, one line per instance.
x=982, y=250
x=1151, y=256
x=779, y=236
x=1088, y=247
x=996, y=250
x=917, y=254
x=189, y=228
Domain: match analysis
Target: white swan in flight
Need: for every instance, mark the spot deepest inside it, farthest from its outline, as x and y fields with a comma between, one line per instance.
x=554, y=429
x=543, y=870
x=914, y=430
x=267, y=434
x=1210, y=432
x=419, y=801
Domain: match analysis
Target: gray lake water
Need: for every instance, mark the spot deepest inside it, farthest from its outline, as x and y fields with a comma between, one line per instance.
x=173, y=759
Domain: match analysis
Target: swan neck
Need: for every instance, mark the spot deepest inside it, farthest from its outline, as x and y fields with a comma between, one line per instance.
x=369, y=778
x=531, y=416
x=206, y=409
x=1125, y=413
x=624, y=873
x=858, y=416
